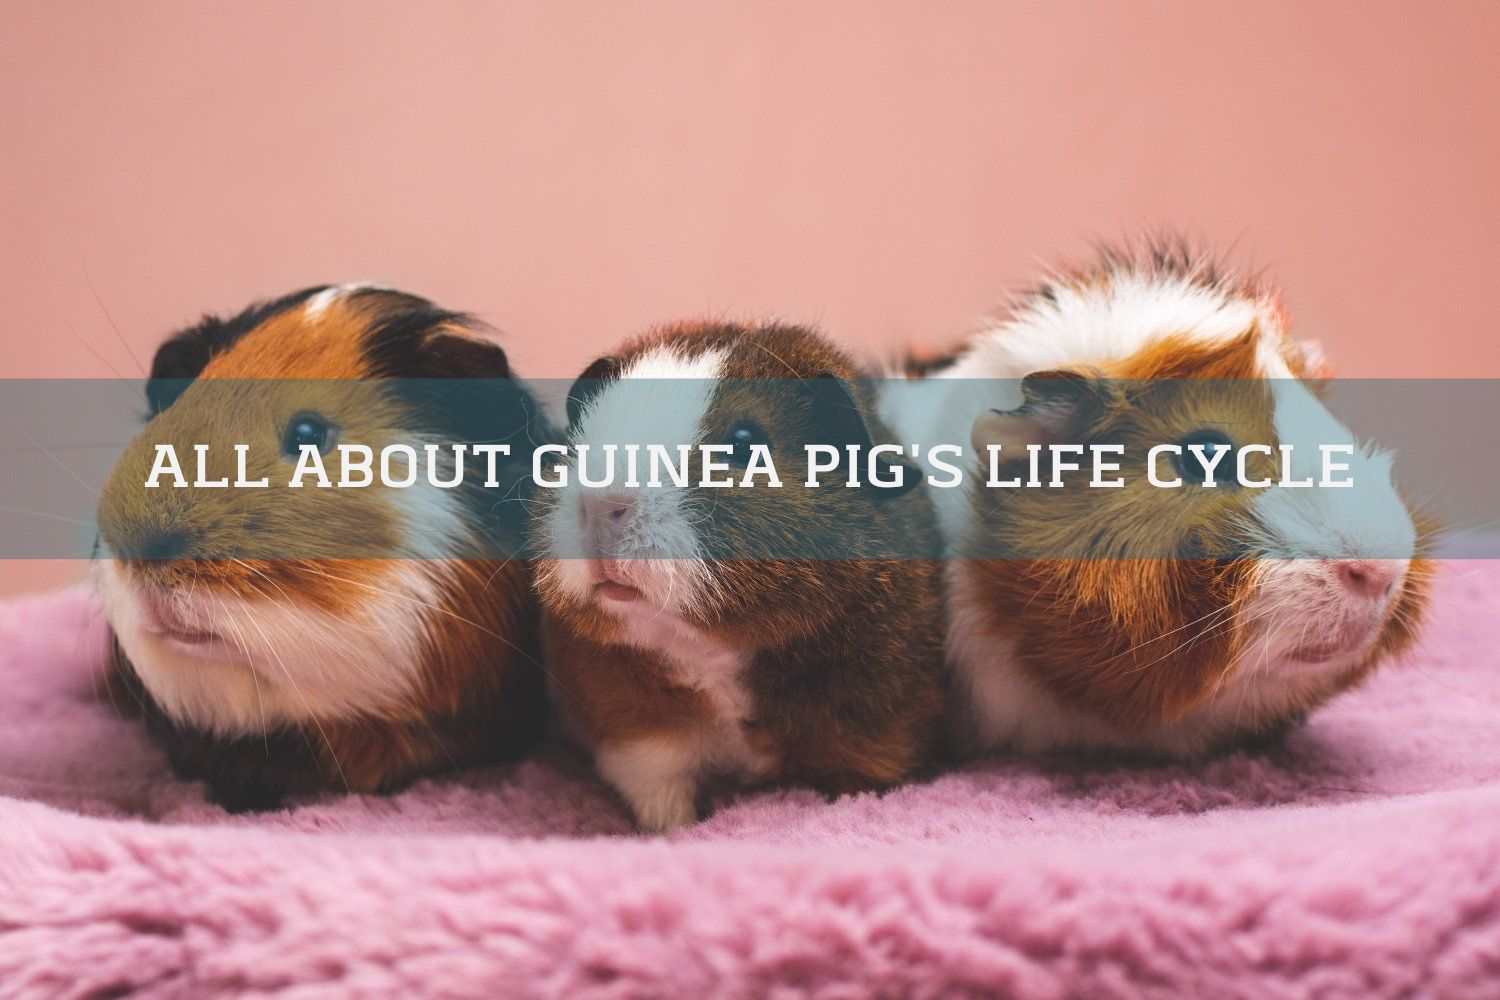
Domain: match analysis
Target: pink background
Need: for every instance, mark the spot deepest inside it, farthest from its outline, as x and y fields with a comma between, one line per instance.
x=574, y=172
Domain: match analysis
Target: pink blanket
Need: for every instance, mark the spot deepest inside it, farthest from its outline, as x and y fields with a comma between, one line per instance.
x=1361, y=857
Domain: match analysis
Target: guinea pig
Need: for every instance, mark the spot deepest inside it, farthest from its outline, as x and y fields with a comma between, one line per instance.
x=696, y=633
x=283, y=641
x=1156, y=621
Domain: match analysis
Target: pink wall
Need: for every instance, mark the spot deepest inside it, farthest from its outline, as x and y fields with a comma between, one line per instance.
x=573, y=172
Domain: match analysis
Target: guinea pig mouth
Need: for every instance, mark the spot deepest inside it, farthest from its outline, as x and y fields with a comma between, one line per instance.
x=160, y=619
x=198, y=644
x=617, y=591
x=611, y=584
x=1351, y=641
x=1317, y=654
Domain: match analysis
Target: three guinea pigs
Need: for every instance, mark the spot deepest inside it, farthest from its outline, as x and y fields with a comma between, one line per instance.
x=356, y=640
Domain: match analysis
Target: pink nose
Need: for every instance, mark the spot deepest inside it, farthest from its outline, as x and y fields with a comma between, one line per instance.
x=607, y=515
x=1369, y=578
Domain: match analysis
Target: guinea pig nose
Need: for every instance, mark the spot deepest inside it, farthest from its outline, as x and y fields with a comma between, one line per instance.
x=610, y=513
x=1369, y=578
x=160, y=545
x=619, y=510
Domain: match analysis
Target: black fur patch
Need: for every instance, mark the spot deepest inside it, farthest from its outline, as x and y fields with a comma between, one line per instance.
x=187, y=352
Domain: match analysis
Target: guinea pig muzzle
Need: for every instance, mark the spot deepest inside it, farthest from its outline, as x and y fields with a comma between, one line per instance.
x=606, y=519
x=1363, y=592
x=162, y=617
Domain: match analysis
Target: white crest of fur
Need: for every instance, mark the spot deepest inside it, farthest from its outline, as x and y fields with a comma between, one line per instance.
x=319, y=303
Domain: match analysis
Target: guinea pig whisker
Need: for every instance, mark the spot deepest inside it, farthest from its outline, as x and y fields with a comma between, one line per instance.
x=1235, y=621
x=99, y=300
x=306, y=632
x=405, y=597
x=1207, y=633
x=254, y=674
x=100, y=357
x=671, y=587
x=1219, y=627
x=276, y=655
x=1449, y=532
x=434, y=607
x=70, y=446
x=64, y=466
x=762, y=347
x=491, y=579
x=47, y=514
x=1147, y=642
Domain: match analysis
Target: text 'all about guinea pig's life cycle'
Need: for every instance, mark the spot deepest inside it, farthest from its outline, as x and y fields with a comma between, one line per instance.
x=655, y=466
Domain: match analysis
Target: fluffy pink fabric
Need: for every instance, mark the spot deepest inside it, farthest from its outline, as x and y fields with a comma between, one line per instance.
x=1361, y=857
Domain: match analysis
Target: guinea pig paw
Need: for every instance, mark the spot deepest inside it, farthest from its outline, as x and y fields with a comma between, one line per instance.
x=665, y=808
x=656, y=776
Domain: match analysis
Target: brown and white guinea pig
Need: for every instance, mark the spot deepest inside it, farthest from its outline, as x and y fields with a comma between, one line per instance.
x=677, y=657
x=1167, y=622
x=284, y=640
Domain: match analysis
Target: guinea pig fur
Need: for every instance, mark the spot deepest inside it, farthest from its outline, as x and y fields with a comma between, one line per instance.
x=673, y=660
x=284, y=641
x=1267, y=602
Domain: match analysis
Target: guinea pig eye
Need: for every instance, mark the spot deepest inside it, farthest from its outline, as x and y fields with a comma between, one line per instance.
x=1194, y=470
x=742, y=434
x=307, y=429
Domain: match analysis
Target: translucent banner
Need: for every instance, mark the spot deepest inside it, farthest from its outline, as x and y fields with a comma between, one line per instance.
x=1053, y=467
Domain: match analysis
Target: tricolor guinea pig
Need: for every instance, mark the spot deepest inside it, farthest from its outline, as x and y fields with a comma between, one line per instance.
x=692, y=632
x=1165, y=621
x=288, y=640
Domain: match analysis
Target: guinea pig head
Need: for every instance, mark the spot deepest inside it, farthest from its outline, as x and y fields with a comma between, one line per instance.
x=243, y=606
x=754, y=564
x=1141, y=603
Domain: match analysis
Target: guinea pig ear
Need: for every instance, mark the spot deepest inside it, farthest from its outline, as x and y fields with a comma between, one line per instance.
x=463, y=381
x=447, y=354
x=586, y=386
x=1310, y=364
x=183, y=357
x=838, y=420
x=186, y=353
x=1057, y=406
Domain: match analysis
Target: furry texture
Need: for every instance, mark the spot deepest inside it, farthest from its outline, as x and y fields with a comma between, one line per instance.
x=1090, y=617
x=732, y=657
x=1360, y=857
x=287, y=640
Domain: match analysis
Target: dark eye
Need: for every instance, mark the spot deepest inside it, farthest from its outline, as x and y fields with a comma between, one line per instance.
x=1193, y=470
x=742, y=434
x=307, y=429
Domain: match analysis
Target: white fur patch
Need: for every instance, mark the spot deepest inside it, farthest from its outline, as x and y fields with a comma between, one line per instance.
x=1366, y=521
x=659, y=776
x=1110, y=320
x=661, y=398
x=319, y=303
